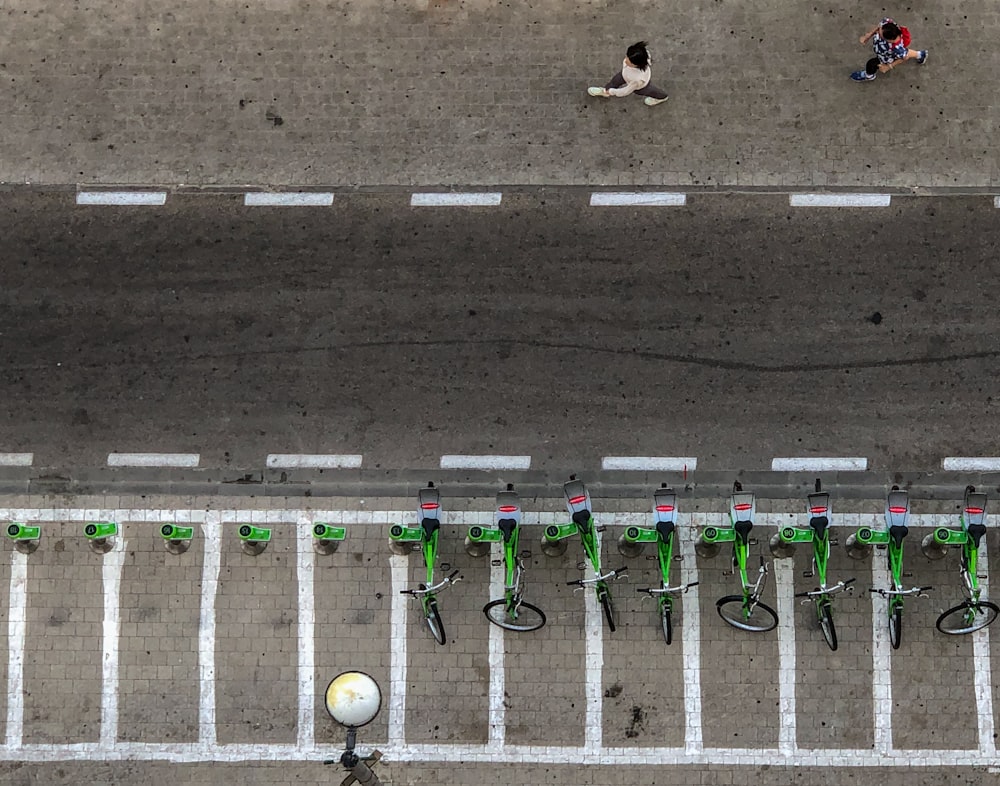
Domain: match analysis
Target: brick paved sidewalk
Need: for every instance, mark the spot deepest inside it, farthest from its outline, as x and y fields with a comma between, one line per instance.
x=469, y=93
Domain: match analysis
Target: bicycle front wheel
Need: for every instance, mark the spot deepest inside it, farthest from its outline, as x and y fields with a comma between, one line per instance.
x=967, y=618
x=609, y=609
x=826, y=624
x=525, y=617
x=666, y=623
x=740, y=613
x=434, y=622
x=896, y=626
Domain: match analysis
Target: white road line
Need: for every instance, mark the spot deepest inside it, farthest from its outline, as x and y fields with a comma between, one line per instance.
x=265, y=199
x=784, y=581
x=306, y=633
x=111, y=575
x=313, y=460
x=971, y=463
x=483, y=199
x=691, y=640
x=498, y=712
x=881, y=651
x=637, y=199
x=983, y=678
x=996, y=201
x=153, y=459
x=397, y=652
x=121, y=198
x=485, y=462
x=839, y=200
x=594, y=667
x=16, y=459
x=17, y=630
x=649, y=463
x=819, y=464
x=211, y=565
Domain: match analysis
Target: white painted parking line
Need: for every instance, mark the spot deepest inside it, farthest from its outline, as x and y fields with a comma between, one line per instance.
x=485, y=199
x=313, y=460
x=17, y=629
x=593, y=667
x=840, y=200
x=649, y=463
x=784, y=585
x=397, y=652
x=485, y=462
x=265, y=199
x=211, y=565
x=637, y=199
x=983, y=678
x=971, y=464
x=305, y=566
x=153, y=459
x=121, y=198
x=691, y=639
x=996, y=201
x=16, y=459
x=498, y=712
x=111, y=579
x=819, y=464
x=881, y=651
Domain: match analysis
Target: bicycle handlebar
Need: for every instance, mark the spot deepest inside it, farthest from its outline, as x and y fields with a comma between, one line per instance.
x=614, y=574
x=426, y=590
x=912, y=591
x=667, y=590
x=839, y=586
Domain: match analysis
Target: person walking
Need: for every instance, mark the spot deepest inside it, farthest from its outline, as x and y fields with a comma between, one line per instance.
x=633, y=78
x=890, y=47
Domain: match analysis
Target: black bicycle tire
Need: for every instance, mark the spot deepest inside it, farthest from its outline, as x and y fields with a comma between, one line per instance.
x=433, y=619
x=504, y=621
x=896, y=626
x=666, y=623
x=826, y=625
x=739, y=624
x=609, y=609
x=963, y=607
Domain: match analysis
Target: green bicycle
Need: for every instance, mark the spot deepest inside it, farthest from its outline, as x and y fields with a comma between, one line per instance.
x=897, y=517
x=512, y=611
x=817, y=533
x=662, y=533
x=579, y=507
x=745, y=611
x=974, y=613
x=425, y=536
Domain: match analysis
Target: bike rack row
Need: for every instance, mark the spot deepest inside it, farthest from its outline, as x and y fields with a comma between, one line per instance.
x=745, y=610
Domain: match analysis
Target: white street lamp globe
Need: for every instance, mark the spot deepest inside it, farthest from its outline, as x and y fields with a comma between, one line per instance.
x=353, y=699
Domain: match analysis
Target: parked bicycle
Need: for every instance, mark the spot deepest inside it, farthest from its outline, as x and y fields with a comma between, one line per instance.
x=897, y=517
x=511, y=612
x=745, y=611
x=662, y=533
x=579, y=507
x=974, y=613
x=425, y=537
x=818, y=534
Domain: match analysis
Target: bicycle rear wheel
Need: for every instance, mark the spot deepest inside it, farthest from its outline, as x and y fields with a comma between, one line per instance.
x=826, y=624
x=526, y=616
x=434, y=622
x=609, y=609
x=666, y=623
x=758, y=618
x=896, y=626
x=967, y=617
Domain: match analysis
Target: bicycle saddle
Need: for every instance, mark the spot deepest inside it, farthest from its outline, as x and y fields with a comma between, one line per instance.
x=430, y=526
x=582, y=518
x=506, y=527
x=897, y=534
x=743, y=529
x=976, y=532
x=819, y=524
x=665, y=529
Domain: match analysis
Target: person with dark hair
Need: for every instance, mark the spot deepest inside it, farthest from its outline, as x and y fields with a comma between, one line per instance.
x=633, y=78
x=890, y=44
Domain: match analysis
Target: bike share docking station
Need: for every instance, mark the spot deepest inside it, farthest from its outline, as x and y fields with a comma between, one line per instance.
x=253, y=540
x=101, y=536
x=176, y=539
x=25, y=537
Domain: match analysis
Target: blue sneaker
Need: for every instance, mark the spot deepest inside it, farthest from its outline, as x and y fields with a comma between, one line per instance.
x=862, y=76
x=922, y=57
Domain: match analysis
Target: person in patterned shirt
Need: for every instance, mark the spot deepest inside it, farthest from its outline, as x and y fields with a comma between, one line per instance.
x=889, y=49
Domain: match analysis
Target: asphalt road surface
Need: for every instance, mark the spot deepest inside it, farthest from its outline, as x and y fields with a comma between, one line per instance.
x=733, y=329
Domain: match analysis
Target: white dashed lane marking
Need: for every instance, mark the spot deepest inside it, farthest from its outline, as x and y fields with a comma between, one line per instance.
x=121, y=198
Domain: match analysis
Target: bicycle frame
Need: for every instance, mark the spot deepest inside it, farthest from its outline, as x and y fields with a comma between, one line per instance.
x=972, y=528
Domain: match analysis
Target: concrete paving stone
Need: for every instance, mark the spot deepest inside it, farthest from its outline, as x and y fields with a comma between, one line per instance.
x=63, y=684
x=158, y=661
x=252, y=704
